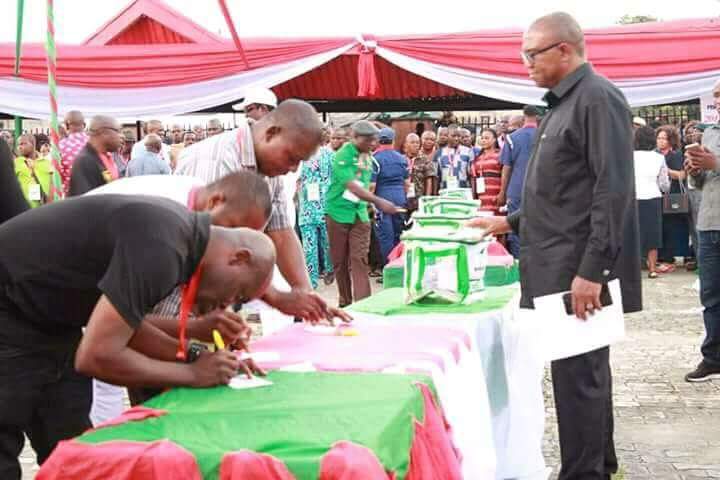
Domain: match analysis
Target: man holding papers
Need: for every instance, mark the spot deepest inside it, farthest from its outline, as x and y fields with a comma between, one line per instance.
x=577, y=226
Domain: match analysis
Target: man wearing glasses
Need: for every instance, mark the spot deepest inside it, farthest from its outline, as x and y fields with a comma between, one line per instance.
x=94, y=165
x=578, y=227
x=257, y=103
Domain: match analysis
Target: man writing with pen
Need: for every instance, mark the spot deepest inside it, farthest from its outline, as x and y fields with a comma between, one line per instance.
x=105, y=262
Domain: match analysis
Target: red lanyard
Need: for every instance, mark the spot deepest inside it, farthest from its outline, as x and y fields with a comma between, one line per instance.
x=189, y=293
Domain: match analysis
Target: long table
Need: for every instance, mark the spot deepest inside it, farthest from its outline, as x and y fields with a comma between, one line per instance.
x=512, y=366
x=304, y=426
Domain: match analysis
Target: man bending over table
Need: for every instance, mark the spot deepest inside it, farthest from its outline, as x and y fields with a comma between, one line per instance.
x=103, y=263
x=271, y=146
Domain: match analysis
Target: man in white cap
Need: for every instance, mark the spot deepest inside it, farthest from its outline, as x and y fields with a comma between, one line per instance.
x=638, y=122
x=257, y=103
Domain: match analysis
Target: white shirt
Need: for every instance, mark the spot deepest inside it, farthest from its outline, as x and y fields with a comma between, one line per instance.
x=228, y=152
x=647, y=168
x=174, y=187
x=139, y=148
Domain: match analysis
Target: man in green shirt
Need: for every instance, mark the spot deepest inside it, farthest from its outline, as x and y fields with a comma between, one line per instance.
x=33, y=172
x=347, y=213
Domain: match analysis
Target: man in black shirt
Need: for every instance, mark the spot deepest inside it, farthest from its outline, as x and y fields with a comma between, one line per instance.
x=578, y=226
x=94, y=165
x=104, y=262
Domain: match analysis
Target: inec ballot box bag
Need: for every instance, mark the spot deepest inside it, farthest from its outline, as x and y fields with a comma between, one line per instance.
x=444, y=261
x=447, y=205
x=461, y=193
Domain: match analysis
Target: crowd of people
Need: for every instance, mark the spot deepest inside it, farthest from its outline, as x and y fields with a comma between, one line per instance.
x=210, y=193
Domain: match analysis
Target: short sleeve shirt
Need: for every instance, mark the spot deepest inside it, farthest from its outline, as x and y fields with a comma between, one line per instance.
x=421, y=169
x=233, y=151
x=453, y=166
x=70, y=147
x=348, y=165
x=92, y=246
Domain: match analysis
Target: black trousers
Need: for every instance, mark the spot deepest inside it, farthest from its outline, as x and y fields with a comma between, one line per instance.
x=583, y=400
x=42, y=396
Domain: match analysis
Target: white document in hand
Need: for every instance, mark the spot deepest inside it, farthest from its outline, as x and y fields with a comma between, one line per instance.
x=566, y=335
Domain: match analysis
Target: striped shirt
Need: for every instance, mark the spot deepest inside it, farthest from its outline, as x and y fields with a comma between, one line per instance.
x=228, y=152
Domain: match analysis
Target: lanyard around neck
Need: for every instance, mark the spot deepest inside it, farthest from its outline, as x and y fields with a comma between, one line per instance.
x=189, y=295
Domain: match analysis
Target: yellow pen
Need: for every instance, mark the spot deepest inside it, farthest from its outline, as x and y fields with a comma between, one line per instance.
x=219, y=343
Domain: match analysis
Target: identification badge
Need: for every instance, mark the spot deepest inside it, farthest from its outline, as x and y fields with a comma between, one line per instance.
x=313, y=192
x=35, y=193
x=411, y=191
x=107, y=176
x=451, y=183
x=480, y=185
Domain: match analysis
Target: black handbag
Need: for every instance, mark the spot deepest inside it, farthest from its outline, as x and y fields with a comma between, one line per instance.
x=676, y=202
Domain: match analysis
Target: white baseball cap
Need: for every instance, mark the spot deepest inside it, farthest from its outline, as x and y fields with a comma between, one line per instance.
x=639, y=121
x=261, y=96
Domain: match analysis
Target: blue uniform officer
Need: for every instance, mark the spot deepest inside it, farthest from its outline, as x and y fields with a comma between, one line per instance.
x=390, y=180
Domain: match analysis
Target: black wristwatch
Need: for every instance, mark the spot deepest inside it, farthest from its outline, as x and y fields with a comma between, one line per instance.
x=194, y=351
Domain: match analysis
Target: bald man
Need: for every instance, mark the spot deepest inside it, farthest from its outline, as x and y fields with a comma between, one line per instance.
x=578, y=227
x=214, y=127
x=422, y=170
x=94, y=165
x=272, y=146
x=176, y=134
x=71, y=145
x=102, y=268
x=149, y=161
x=152, y=127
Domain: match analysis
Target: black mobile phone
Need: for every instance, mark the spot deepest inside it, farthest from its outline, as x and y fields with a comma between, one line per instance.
x=605, y=299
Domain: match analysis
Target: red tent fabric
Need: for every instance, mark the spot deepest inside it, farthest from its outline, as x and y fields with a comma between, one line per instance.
x=145, y=22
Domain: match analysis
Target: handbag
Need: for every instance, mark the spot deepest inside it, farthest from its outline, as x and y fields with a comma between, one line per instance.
x=676, y=203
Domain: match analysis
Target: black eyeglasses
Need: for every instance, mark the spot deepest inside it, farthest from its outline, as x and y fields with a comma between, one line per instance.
x=529, y=57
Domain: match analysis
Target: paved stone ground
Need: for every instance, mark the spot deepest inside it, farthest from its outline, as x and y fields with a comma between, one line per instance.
x=665, y=428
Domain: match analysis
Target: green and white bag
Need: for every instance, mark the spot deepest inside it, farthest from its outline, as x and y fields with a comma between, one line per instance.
x=447, y=205
x=461, y=193
x=444, y=262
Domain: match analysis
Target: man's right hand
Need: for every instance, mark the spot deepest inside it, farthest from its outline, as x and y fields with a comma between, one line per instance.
x=231, y=326
x=491, y=225
x=212, y=369
x=387, y=206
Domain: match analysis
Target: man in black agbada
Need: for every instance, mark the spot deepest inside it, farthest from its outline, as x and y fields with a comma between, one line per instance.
x=102, y=262
x=578, y=226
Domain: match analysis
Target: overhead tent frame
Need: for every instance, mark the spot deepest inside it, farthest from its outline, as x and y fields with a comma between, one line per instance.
x=657, y=63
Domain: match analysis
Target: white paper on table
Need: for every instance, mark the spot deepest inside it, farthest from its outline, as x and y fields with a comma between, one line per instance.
x=566, y=335
x=261, y=356
x=241, y=382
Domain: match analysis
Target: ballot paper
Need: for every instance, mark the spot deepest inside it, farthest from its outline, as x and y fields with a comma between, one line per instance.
x=261, y=356
x=242, y=382
x=565, y=335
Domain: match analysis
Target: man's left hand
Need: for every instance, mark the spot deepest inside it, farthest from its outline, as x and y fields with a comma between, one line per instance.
x=585, y=297
x=501, y=200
